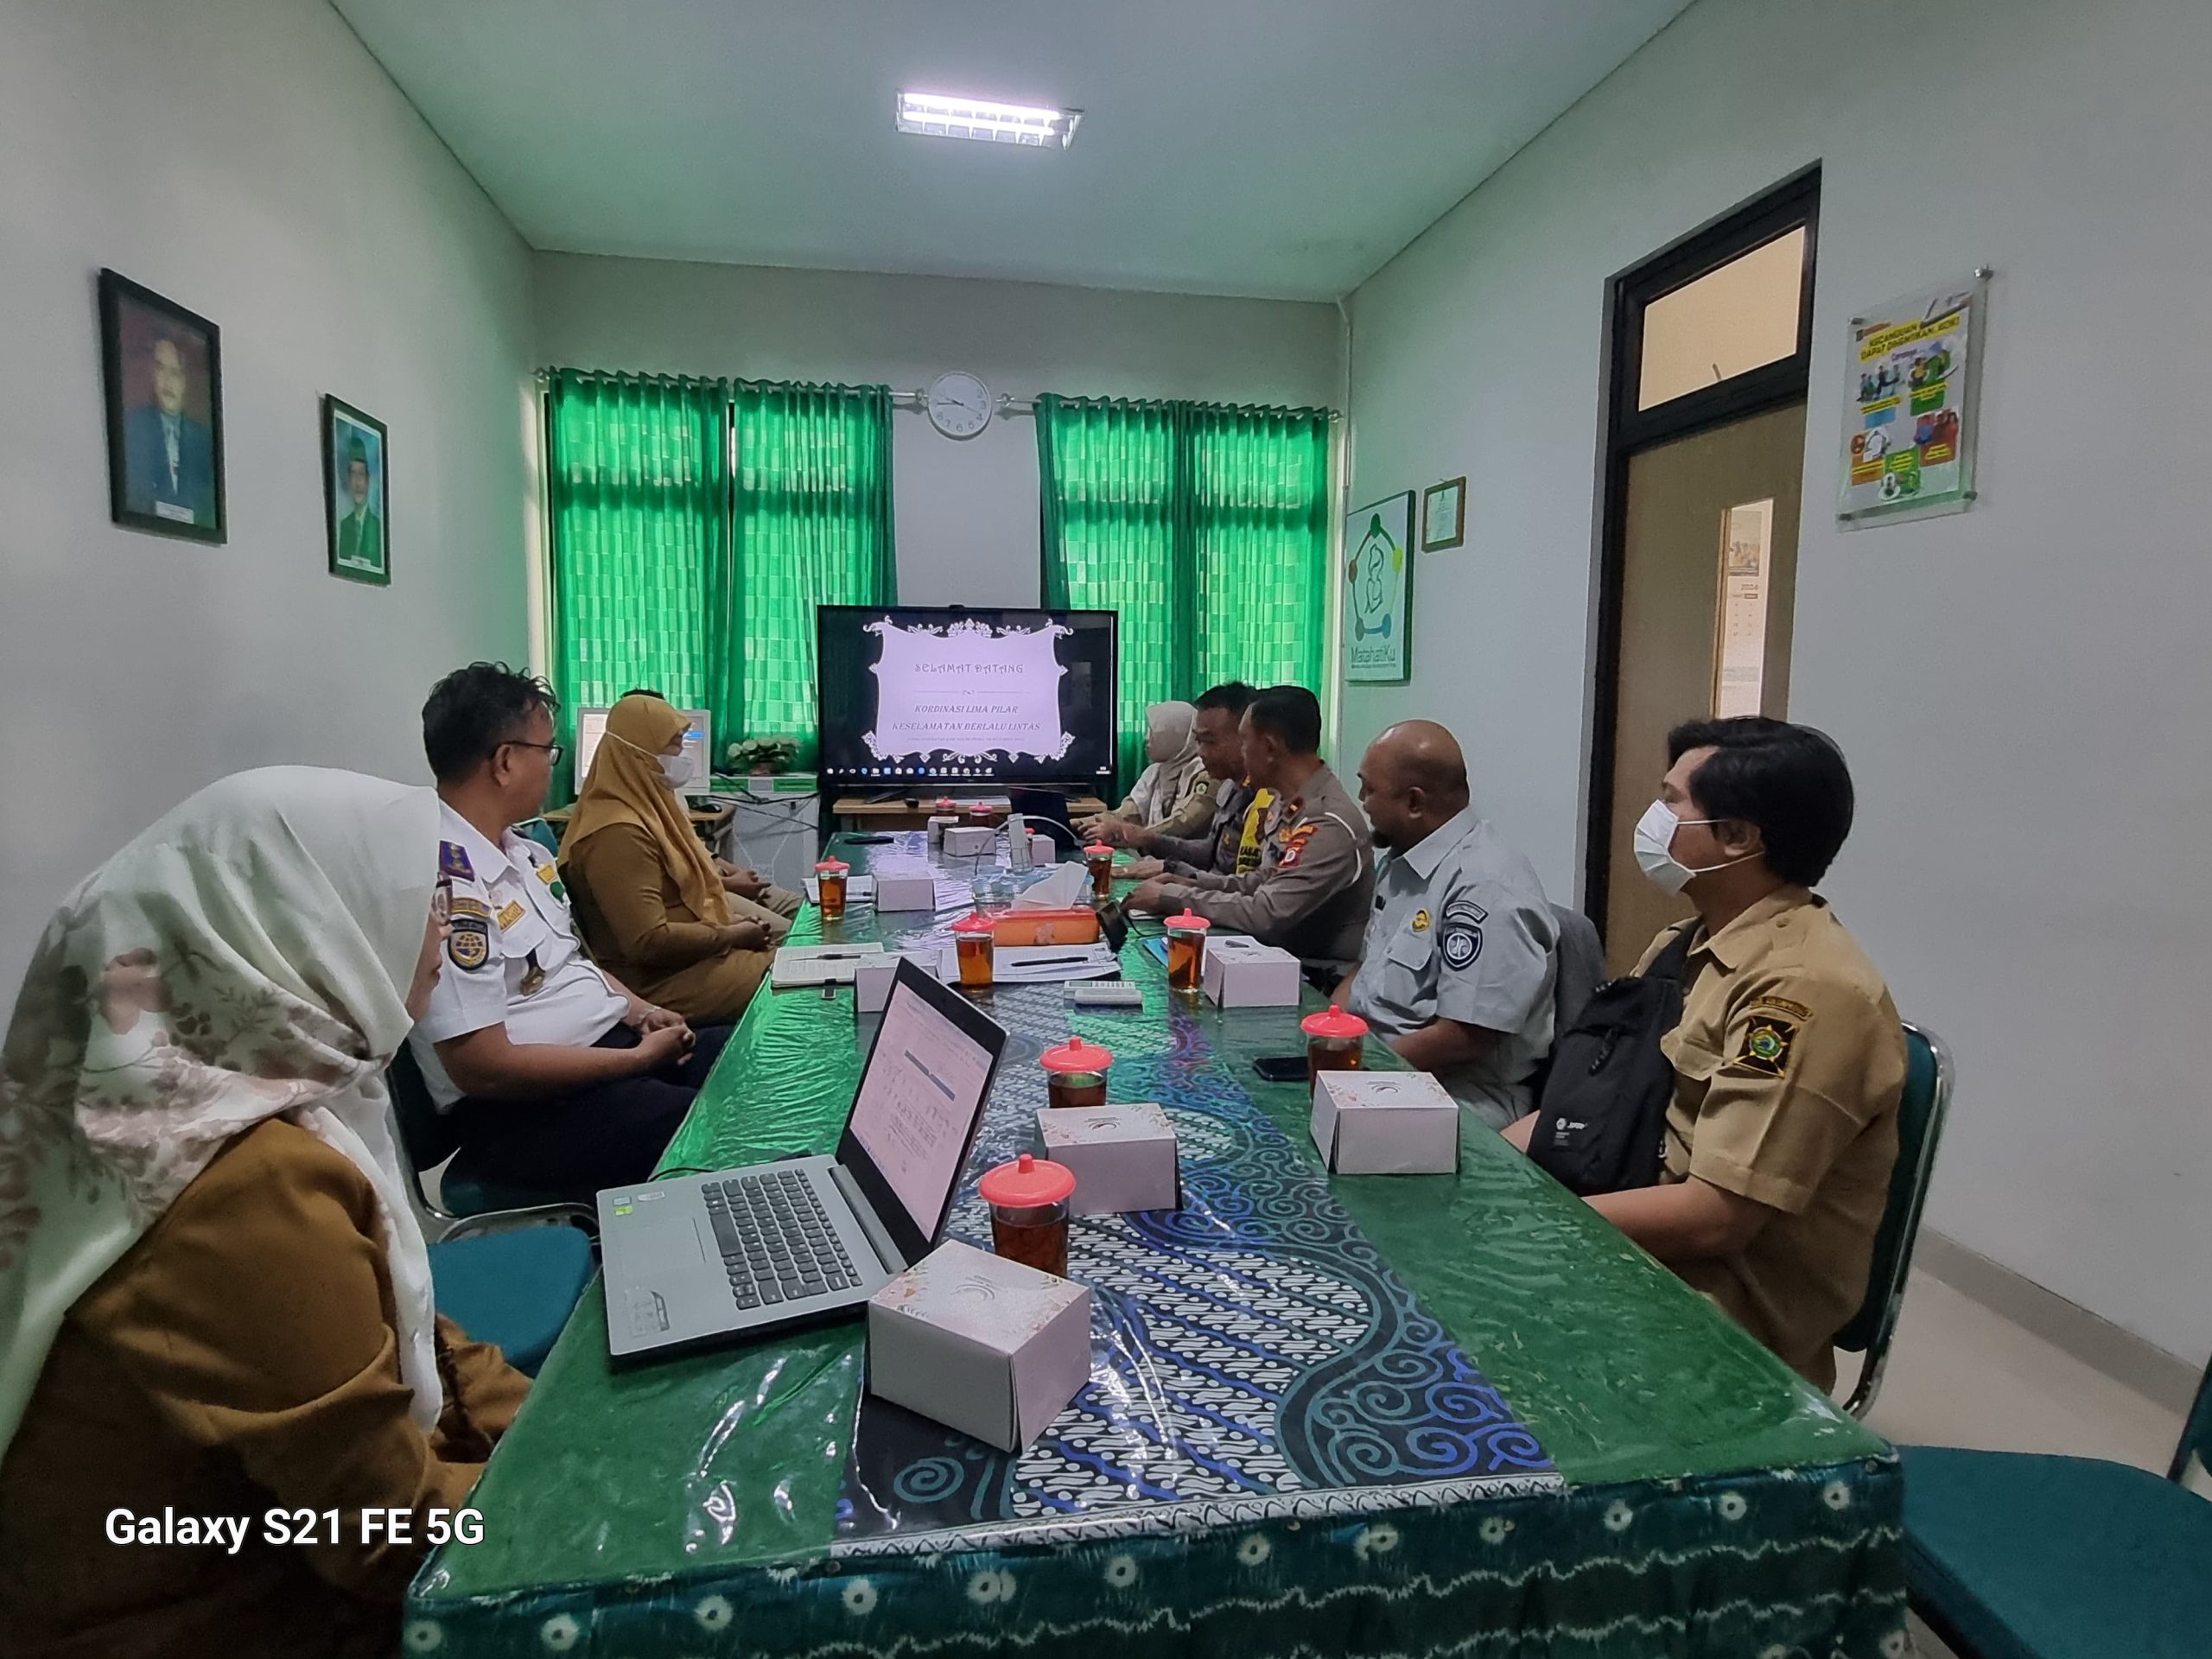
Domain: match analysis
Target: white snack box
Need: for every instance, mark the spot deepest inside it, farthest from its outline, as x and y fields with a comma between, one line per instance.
x=969, y=840
x=1123, y=1156
x=1239, y=972
x=1042, y=849
x=872, y=979
x=939, y=823
x=1385, y=1123
x=980, y=1343
x=906, y=892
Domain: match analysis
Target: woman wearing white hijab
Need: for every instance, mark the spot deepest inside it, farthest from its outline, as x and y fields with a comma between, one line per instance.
x=215, y=1299
x=1175, y=794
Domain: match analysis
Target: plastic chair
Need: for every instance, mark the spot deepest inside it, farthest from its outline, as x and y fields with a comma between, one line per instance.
x=513, y=1289
x=470, y=1203
x=1921, y=1112
x=2017, y=1555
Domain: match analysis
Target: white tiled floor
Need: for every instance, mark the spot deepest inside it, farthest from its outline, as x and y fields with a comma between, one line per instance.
x=1962, y=1376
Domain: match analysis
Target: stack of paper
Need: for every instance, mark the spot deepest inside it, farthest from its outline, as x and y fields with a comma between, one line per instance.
x=819, y=964
x=1028, y=964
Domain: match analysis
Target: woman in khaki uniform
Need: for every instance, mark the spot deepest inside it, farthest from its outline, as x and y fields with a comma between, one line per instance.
x=657, y=911
x=214, y=1299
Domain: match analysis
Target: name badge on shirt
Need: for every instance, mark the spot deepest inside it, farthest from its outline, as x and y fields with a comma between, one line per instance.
x=550, y=875
x=510, y=913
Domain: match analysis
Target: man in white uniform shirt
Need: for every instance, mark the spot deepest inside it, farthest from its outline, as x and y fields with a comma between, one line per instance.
x=559, y=1078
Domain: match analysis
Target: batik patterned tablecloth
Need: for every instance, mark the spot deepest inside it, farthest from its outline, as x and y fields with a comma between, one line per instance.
x=1706, y=1501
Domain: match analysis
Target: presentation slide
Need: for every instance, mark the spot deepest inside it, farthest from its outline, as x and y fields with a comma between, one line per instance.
x=966, y=696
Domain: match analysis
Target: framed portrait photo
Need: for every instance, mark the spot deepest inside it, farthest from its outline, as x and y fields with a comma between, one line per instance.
x=356, y=494
x=1443, y=515
x=163, y=370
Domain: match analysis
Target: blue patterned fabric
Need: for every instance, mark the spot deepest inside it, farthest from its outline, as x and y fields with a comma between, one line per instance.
x=1252, y=1355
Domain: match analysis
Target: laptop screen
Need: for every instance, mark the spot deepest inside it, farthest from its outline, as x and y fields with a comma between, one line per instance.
x=919, y=1102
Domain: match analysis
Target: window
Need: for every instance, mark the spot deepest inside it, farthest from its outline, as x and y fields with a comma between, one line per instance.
x=672, y=570
x=1206, y=528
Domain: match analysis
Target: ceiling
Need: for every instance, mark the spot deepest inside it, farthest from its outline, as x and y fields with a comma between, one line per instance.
x=1282, y=147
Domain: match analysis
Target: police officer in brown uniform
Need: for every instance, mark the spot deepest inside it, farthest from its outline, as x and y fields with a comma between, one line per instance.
x=1316, y=880
x=1789, y=1059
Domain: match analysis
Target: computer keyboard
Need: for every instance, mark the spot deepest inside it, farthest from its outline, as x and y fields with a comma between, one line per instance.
x=776, y=1240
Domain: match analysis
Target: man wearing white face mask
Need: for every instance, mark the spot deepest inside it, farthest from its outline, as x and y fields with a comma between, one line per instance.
x=1789, y=1058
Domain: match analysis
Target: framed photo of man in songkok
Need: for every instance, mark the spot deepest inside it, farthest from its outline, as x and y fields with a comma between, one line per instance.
x=356, y=494
x=162, y=370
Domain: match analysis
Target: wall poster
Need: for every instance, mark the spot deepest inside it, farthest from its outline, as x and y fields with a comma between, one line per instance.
x=1910, y=413
x=1378, y=612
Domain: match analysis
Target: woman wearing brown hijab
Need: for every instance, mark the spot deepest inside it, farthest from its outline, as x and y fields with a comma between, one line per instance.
x=653, y=906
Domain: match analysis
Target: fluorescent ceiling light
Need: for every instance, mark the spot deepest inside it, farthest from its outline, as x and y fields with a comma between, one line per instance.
x=937, y=116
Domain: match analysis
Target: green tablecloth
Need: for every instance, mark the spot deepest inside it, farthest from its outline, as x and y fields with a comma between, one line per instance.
x=1715, y=1504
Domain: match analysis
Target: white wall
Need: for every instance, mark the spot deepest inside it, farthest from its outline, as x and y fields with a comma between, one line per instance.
x=2024, y=690
x=253, y=164
x=966, y=511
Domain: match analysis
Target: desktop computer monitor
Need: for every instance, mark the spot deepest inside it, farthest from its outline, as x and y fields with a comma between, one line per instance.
x=698, y=749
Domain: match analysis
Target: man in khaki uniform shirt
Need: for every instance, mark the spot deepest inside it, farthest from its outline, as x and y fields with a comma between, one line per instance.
x=1789, y=1059
x=1316, y=880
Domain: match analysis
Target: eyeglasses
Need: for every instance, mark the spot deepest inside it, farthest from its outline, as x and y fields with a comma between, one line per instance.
x=553, y=751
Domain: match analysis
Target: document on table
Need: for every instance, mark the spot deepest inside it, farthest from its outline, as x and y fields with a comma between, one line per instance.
x=857, y=887
x=1028, y=965
x=819, y=964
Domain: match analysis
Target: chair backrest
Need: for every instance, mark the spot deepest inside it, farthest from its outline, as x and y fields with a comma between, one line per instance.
x=2193, y=1457
x=426, y=1136
x=1921, y=1112
x=1581, y=966
x=541, y=832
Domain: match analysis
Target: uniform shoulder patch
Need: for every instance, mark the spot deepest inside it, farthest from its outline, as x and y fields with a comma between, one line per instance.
x=469, y=946
x=1460, y=943
x=1783, y=1005
x=1462, y=908
x=1293, y=844
x=452, y=860
x=1767, y=1040
x=461, y=904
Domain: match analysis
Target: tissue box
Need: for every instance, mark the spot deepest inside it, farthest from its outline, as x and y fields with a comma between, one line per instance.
x=1078, y=925
x=871, y=978
x=906, y=892
x=969, y=840
x=979, y=1343
x=1242, y=973
x=1385, y=1123
x=1123, y=1156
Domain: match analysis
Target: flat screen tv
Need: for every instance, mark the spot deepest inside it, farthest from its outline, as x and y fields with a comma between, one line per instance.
x=957, y=698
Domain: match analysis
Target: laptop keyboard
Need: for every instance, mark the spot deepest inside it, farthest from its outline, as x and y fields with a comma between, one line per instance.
x=777, y=1242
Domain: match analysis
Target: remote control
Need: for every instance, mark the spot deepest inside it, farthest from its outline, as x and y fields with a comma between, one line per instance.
x=1105, y=994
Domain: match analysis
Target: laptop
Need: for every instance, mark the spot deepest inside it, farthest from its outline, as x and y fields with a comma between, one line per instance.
x=703, y=1259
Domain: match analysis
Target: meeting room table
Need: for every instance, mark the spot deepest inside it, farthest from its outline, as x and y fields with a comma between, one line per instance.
x=1327, y=1415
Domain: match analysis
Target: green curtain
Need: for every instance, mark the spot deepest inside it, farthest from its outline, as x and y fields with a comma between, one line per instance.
x=812, y=526
x=1206, y=527
x=1114, y=500
x=1260, y=528
x=639, y=499
x=669, y=571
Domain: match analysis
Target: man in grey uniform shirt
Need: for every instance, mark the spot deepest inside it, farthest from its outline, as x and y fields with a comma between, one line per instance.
x=1310, y=894
x=1461, y=954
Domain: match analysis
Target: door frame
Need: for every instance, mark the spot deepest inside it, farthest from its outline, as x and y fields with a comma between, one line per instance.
x=1793, y=204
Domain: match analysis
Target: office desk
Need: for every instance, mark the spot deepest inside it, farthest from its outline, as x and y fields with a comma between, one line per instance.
x=711, y=821
x=859, y=812
x=1705, y=1501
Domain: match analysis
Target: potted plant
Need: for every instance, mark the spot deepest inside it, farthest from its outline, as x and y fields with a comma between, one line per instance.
x=763, y=754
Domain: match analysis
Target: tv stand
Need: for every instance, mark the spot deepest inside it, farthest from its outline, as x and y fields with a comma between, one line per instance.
x=865, y=812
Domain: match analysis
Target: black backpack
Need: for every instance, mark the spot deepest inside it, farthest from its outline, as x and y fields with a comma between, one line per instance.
x=1601, y=1121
